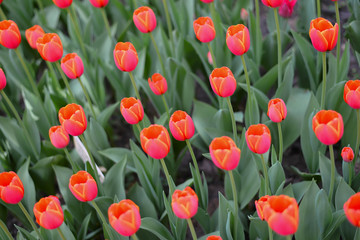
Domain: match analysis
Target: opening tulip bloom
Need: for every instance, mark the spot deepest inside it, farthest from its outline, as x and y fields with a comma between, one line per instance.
x=238, y=39
x=272, y=3
x=259, y=204
x=323, y=34
x=328, y=126
x=287, y=7
x=158, y=84
x=181, y=125
x=185, y=203
x=224, y=153
x=277, y=110
x=72, y=118
x=32, y=34
x=204, y=29
x=352, y=93
x=59, y=137
x=347, y=154
x=144, y=19
x=132, y=110
x=99, y=3
x=83, y=186
x=2, y=79
x=155, y=141
x=9, y=34
x=258, y=138
x=48, y=212
x=124, y=217
x=125, y=56
x=72, y=65
x=352, y=209
x=11, y=187
x=223, y=82
x=50, y=47
x=62, y=3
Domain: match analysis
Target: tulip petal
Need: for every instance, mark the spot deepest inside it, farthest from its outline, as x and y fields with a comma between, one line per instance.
x=318, y=40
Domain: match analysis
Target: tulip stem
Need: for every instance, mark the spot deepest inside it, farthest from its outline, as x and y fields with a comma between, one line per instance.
x=134, y=85
x=318, y=8
x=168, y=21
x=288, y=237
x=51, y=68
x=323, y=93
x=279, y=46
x=158, y=53
x=212, y=54
x=350, y=166
x=248, y=87
x=6, y=231
x=166, y=107
x=71, y=12
x=74, y=167
x=338, y=40
x=65, y=81
x=134, y=237
x=2, y=14
x=87, y=97
x=102, y=219
x=270, y=233
x=235, y=197
x=31, y=221
x=265, y=174
x=232, y=118
x=167, y=175
x=280, y=142
x=192, y=229
x=332, y=181
x=106, y=21
x=357, y=135
x=193, y=156
x=61, y=233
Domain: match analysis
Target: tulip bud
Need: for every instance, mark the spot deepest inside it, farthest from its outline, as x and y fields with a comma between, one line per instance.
x=207, y=1
x=352, y=209
x=62, y=3
x=347, y=154
x=276, y=110
x=158, y=84
x=328, y=126
x=352, y=93
x=2, y=79
x=323, y=34
x=204, y=29
x=99, y=3
x=213, y=237
x=224, y=153
x=272, y=3
x=83, y=186
x=11, y=187
x=125, y=56
x=222, y=82
x=48, y=212
x=33, y=34
x=259, y=204
x=181, y=125
x=72, y=65
x=132, y=110
x=50, y=47
x=287, y=7
x=72, y=118
x=185, y=203
x=9, y=34
x=238, y=39
x=59, y=137
x=144, y=19
x=244, y=15
x=155, y=141
x=258, y=138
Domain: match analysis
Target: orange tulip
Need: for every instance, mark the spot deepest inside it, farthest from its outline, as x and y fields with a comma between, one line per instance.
x=352, y=209
x=276, y=110
x=204, y=29
x=62, y=3
x=132, y=110
x=83, y=186
x=48, y=212
x=328, y=126
x=158, y=84
x=238, y=39
x=99, y=3
x=9, y=34
x=50, y=47
x=213, y=237
x=11, y=187
x=72, y=65
x=223, y=82
x=347, y=154
x=2, y=79
x=224, y=153
x=155, y=141
x=323, y=34
x=272, y=3
x=32, y=34
x=259, y=204
x=181, y=125
x=144, y=19
x=258, y=138
x=352, y=93
x=185, y=203
x=59, y=137
x=72, y=118
x=125, y=56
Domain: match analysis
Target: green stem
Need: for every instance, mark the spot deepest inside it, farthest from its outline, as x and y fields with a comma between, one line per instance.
x=2, y=14
x=257, y=10
x=318, y=8
x=232, y=119
x=102, y=219
x=106, y=21
x=289, y=237
x=158, y=53
x=212, y=54
x=168, y=21
x=166, y=107
x=27, y=215
x=350, y=166
x=138, y=127
x=280, y=142
x=332, y=181
x=134, y=237
x=73, y=18
x=3, y=106
x=87, y=97
x=134, y=85
x=61, y=233
x=193, y=156
x=135, y=4
x=167, y=175
x=235, y=197
x=192, y=229
x=357, y=135
x=323, y=93
x=338, y=45
x=279, y=46
x=65, y=81
x=72, y=163
x=6, y=231
x=265, y=174
x=270, y=233
x=248, y=87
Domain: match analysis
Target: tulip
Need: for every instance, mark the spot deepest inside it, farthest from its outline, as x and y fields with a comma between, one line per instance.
x=323, y=34
x=204, y=29
x=181, y=125
x=72, y=118
x=99, y=3
x=238, y=39
x=223, y=82
x=224, y=153
x=287, y=7
x=328, y=126
x=83, y=186
x=155, y=141
x=244, y=15
x=352, y=93
x=132, y=110
x=2, y=79
x=144, y=19
x=207, y=1
x=259, y=204
x=276, y=110
x=258, y=138
x=48, y=212
x=72, y=65
x=9, y=34
x=184, y=203
x=124, y=217
x=62, y=3
x=11, y=187
x=213, y=237
x=272, y=3
x=125, y=56
x=347, y=154
x=158, y=84
x=352, y=209
x=59, y=137
x=50, y=47
x=210, y=58
x=32, y=34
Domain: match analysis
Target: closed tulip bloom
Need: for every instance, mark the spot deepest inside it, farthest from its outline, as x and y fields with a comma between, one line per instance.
x=32, y=34
x=158, y=84
x=9, y=34
x=207, y=1
x=213, y=237
x=99, y=3
x=144, y=19
x=347, y=154
x=223, y=82
x=124, y=217
x=244, y=15
x=323, y=34
x=132, y=110
x=48, y=212
x=125, y=56
x=258, y=138
x=50, y=47
x=204, y=29
x=2, y=79
x=259, y=204
x=272, y=3
x=328, y=126
x=238, y=39
x=155, y=141
x=83, y=186
x=210, y=58
x=72, y=118
x=224, y=153
x=352, y=93
x=59, y=137
x=287, y=7
x=282, y=214
x=276, y=110
x=181, y=126
x=11, y=187
x=62, y=3
x=72, y=65
x=185, y=203
x=352, y=209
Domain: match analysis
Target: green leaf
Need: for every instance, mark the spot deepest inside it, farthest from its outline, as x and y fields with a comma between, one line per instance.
x=25, y=233
x=155, y=227
x=114, y=180
x=276, y=176
x=325, y=170
x=84, y=227
x=338, y=218
x=104, y=116
x=323, y=211
x=29, y=187
x=353, y=34
x=138, y=195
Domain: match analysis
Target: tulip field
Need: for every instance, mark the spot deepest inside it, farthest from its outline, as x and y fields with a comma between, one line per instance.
x=179, y=119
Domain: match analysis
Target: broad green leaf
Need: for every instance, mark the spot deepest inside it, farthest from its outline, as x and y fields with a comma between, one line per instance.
x=114, y=185
x=29, y=187
x=323, y=211
x=155, y=227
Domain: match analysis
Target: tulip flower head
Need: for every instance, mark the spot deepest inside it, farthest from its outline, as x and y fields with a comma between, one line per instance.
x=244, y=15
x=2, y=79
x=9, y=34
x=276, y=110
x=62, y=3
x=287, y=7
x=224, y=153
x=99, y=3
x=213, y=237
x=238, y=39
x=259, y=204
x=258, y=138
x=125, y=56
x=207, y=1
x=11, y=187
x=144, y=19
x=352, y=209
x=124, y=217
x=185, y=203
x=59, y=137
x=158, y=84
x=132, y=110
x=347, y=154
x=83, y=186
x=223, y=82
x=72, y=65
x=204, y=29
x=32, y=34
x=328, y=126
x=48, y=212
x=352, y=93
x=323, y=34
x=50, y=47
x=72, y=118
x=210, y=58
x=155, y=141
x=181, y=125
x=272, y=3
